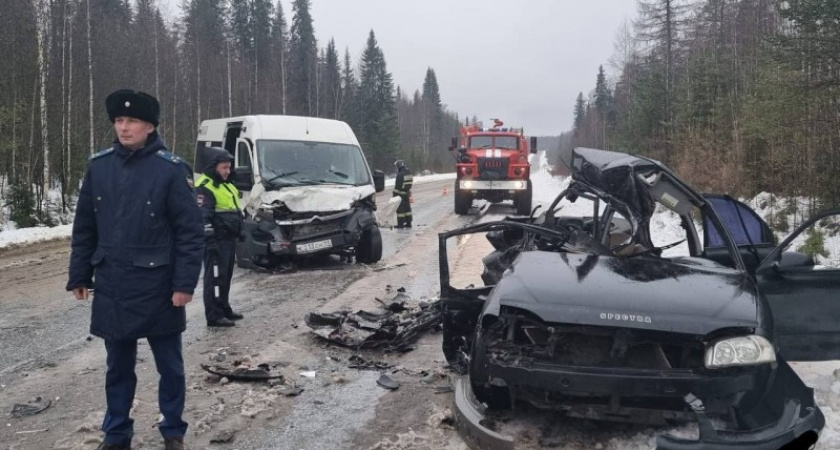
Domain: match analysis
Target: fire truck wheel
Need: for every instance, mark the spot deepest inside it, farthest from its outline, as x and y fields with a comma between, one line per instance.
x=522, y=202
x=463, y=201
x=369, y=248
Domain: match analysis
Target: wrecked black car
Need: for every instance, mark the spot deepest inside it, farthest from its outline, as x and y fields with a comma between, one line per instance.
x=586, y=315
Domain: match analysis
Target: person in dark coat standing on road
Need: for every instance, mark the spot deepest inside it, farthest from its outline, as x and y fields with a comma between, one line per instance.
x=402, y=188
x=219, y=202
x=138, y=239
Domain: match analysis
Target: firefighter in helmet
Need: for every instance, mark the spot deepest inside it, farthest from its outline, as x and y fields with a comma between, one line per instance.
x=402, y=188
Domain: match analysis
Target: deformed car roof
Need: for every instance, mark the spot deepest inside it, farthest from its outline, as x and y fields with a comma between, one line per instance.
x=634, y=183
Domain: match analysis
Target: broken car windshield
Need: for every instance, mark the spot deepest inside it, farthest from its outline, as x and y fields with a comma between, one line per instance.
x=296, y=163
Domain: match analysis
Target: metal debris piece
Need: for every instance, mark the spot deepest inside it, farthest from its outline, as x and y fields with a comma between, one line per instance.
x=387, y=382
x=444, y=389
x=309, y=374
x=30, y=409
x=394, y=329
x=359, y=363
x=242, y=373
x=291, y=392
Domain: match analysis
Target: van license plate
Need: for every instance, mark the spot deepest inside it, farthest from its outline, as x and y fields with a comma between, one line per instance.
x=314, y=246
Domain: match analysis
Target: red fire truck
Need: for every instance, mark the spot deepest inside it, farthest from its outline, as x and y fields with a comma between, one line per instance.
x=492, y=164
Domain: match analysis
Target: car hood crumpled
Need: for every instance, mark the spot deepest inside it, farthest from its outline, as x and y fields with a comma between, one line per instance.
x=644, y=293
x=318, y=198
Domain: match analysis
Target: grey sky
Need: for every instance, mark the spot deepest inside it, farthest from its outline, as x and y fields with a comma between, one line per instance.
x=523, y=61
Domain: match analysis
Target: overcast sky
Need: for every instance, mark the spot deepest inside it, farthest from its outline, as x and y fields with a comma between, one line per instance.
x=523, y=61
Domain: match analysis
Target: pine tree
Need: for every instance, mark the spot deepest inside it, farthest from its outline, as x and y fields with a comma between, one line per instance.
x=279, y=49
x=350, y=88
x=303, y=60
x=379, y=129
x=331, y=83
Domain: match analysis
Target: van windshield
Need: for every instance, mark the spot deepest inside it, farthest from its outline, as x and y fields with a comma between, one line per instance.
x=298, y=163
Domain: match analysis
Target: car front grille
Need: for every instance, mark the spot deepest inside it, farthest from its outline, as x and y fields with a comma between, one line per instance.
x=593, y=346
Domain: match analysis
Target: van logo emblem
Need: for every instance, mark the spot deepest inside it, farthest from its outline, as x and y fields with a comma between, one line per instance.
x=621, y=317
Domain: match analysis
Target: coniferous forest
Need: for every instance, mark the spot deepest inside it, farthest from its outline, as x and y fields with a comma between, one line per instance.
x=738, y=96
x=218, y=58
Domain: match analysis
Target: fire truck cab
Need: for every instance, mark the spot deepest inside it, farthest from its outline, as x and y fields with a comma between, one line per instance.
x=492, y=164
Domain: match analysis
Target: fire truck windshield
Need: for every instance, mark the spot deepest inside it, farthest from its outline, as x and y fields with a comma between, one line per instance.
x=501, y=142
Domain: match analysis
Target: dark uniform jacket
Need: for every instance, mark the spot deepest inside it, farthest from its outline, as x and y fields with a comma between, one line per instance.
x=139, y=231
x=404, y=181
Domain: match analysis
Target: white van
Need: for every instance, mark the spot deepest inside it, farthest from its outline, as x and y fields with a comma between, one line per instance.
x=307, y=188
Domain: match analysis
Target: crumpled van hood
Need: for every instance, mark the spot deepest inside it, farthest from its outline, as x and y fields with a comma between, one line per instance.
x=319, y=198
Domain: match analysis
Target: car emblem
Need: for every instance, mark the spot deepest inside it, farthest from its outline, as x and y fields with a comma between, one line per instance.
x=621, y=317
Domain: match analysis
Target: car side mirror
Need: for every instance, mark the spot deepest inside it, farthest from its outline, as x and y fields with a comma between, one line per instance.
x=534, y=144
x=379, y=180
x=243, y=178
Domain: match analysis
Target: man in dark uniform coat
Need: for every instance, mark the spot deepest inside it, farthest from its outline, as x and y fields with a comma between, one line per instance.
x=138, y=238
x=219, y=202
x=402, y=188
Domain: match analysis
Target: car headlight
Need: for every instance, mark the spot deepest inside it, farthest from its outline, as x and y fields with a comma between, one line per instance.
x=739, y=351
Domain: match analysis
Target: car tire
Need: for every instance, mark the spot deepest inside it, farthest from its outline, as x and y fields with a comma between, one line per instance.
x=369, y=248
x=523, y=200
x=463, y=201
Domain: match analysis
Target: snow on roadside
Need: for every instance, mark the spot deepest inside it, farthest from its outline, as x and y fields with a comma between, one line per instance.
x=11, y=236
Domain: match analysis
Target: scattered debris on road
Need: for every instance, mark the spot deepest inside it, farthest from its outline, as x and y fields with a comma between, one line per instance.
x=359, y=363
x=243, y=373
x=395, y=329
x=35, y=406
x=387, y=382
x=291, y=392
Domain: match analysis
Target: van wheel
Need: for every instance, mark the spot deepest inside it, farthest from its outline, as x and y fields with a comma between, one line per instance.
x=369, y=248
x=463, y=201
x=523, y=200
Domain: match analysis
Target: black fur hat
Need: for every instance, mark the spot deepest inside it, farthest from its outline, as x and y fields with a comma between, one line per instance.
x=130, y=103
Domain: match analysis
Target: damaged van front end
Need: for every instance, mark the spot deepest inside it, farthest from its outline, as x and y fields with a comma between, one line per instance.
x=310, y=220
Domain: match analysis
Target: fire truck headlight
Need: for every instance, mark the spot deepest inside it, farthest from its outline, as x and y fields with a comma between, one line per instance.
x=519, y=185
x=468, y=184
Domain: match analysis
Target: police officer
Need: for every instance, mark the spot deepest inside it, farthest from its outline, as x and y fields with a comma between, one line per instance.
x=138, y=231
x=219, y=202
x=402, y=188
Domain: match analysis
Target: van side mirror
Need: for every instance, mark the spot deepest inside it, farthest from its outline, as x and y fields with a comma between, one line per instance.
x=243, y=178
x=533, y=144
x=379, y=180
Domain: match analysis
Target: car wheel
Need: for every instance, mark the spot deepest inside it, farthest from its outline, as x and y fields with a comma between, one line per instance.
x=463, y=201
x=523, y=200
x=369, y=248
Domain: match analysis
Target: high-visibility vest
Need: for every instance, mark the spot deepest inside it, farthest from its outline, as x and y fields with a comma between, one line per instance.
x=226, y=194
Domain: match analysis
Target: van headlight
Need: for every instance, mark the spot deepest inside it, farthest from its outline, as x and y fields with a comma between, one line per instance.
x=739, y=351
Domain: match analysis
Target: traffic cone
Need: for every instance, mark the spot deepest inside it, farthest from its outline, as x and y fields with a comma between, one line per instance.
x=444, y=193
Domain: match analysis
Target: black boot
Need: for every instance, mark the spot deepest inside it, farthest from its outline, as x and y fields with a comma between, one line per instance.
x=233, y=316
x=223, y=322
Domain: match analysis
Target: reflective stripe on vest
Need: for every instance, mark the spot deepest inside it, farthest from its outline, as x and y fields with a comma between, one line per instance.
x=226, y=194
